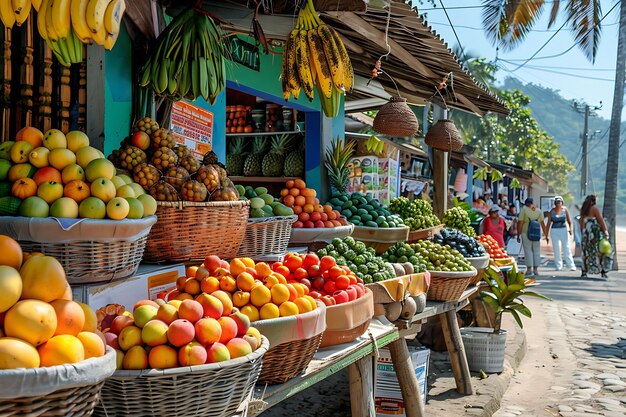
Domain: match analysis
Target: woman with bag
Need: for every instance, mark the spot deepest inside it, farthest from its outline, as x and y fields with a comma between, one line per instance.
x=558, y=222
x=529, y=227
x=593, y=231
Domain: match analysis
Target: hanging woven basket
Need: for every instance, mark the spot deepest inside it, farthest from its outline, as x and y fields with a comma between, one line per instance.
x=444, y=136
x=396, y=119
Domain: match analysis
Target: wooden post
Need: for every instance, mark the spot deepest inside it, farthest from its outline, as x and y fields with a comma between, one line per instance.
x=407, y=380
x=95, y=96
x=456, y=351
x=5, y=132
x=440, y=172
x=361, y=380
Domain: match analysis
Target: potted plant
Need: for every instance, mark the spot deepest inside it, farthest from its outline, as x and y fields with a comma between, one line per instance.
x=485, y=346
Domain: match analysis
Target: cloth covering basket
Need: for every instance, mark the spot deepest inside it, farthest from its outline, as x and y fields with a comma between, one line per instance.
x=212, y=390
x=444, y=136
x=449, y=286
x=480, y=263
x=380, y=238
x=484, y=349
x=293, y=342
x=345, y=322
x=266, y=236
x=189, y=231
x=424, y=234
x=90, y=250
x=327, y=234
x=64, y=390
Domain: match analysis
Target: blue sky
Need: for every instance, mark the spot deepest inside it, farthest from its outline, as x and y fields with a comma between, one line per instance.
x=573, y=65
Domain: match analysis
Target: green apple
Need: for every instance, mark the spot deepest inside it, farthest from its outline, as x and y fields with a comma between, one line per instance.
x=126, y=178
x=125, y=191
x=5, y=166
x=118, y=208
x=64, y=207
x=92, y=208
x=38, y=157
x=136, y=208
x=103, y=189
x=50, y=191
x=138, y=189
x=72, y=172
x=117, y=181
x=54, y=139
x=149, y=204
x=5, y=149
x=34, y=207
x=76, y=140
x=99, y=168
x=87, y=154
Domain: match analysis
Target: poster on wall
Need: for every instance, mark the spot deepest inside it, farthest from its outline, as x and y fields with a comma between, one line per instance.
x=192, y=126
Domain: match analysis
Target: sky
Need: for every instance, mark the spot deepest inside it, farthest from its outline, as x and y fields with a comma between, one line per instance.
x=565, y=73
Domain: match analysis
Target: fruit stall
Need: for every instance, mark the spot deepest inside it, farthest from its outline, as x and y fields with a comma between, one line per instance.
x=187, y=218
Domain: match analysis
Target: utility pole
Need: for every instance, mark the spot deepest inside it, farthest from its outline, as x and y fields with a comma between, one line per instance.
x=586, y=110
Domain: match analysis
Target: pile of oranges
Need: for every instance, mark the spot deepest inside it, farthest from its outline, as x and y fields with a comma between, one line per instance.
x=304, y=202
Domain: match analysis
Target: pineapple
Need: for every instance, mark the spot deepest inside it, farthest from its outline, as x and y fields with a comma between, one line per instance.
x=294, y=162
x=336, y=161
x=236, y=157
x=253, y=165
x=274, y=161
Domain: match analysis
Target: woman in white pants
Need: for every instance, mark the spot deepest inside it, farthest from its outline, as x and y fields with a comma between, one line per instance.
x=558, y=222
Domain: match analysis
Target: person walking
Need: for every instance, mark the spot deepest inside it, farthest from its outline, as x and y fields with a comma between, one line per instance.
x=529, y=227
x=560, y=230
x=494, y=225
x=593, y=228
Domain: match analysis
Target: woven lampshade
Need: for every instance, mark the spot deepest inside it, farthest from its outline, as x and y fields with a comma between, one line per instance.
x=396, y=119
x=444, y=136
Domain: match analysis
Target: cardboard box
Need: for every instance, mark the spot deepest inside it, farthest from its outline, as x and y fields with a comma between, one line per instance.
x=148, y=282
x=388, y=398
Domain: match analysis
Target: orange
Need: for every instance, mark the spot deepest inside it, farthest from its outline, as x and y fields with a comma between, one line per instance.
x=241, y=298
x=263, y=270
x=309, y=192
x=299, y=184
x=237, y=266
x=270, y=281
x=294, y=192
x=251, y=311
x=289, y=184
x=288, y=308
x=289, y=200
x=190, y=271
x=297, y=209
x=310, y=200
x=293, y=294
x=269, y=311
x=228, y=284
x=260, y=295
x=31, y=135
x=210, y=284
x=280, y=293
x=318, y=208
x=10, y=252
x=70, y=317
x=300, y=289
x=300, y=201
x=304, y=306
x=245, y=281
x=284, y=192
x=292, y=262
x=308, y=208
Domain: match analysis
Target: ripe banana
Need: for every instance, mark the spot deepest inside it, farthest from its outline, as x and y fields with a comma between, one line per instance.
x=36, y=4
x=78, y=11
x=94, y=15
x=41, y=20
x=21, y=8
x=304, y=64
x=113, y=16
x=61, y=18
x=348, y=74
x=7, y=15
x=50, y=31
x=318, y=60
x=99, y=37
x=109, y=41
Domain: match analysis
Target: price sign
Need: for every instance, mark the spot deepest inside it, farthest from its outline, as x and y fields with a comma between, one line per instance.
x=192, y=126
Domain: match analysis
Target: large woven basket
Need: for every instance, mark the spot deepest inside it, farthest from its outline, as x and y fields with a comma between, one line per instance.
x=59, y=391
x=188, y=231
x=213, y=390
x=345, y=322
x=444, y=136
x=396, y=118
x=90, y=250
x=449, y=286
x=424, y=234
x=266, y=236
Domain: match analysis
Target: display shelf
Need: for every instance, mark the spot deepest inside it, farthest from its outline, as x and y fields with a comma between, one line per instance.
x=237, y=179
x=234, y=135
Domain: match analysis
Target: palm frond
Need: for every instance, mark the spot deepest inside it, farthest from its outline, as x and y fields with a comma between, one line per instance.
x=508, y=22
x=554, y=12
x=584, y=16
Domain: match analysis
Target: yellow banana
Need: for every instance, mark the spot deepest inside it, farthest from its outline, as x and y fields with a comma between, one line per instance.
x=304, y=65
x=61, y=19
x=109, y=41
x=331, y=51
x=52, y=34
x=290, y=52
x=78, y=10
x=348, y=74
x=41, y=20
x=113, y=16
x=7, y=14
x=36, y=4
x=22, y=10
x=95, y=15
x=319, y=63
x=100, y=36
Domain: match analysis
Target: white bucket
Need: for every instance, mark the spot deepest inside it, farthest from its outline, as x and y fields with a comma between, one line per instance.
x=484, y=349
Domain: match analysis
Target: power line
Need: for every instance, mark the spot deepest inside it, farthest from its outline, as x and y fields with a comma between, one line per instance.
x=534, y=30
x=542, y=46
x=562, y=68
x=452, y=26
x=563, y=73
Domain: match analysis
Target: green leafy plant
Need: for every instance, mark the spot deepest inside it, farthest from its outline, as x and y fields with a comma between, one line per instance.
x=337, y=157
x=506, y=295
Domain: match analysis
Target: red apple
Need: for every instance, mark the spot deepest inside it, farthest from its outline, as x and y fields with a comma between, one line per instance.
x=341, y=297
x=352, y=293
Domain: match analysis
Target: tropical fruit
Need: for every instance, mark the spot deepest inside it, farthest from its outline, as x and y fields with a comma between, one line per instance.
x=60, y=350
x=273, y=162
x=254, y=162
x=10, y=253
x=43, y=278
x=190, y=163
x=33, y=321
x=164, y=158
x=10, y=287
x=176, y=177
x=130, y=157
x=162, y=138
x=294, y=162
x=16, y=353
x=146, y=125
x=163, y=191
x=236, y=157
x=208, y=175
x=194, y=191
x=146, y=175
x=181, y=151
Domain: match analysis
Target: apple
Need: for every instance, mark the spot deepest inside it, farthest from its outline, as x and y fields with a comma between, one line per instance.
x=137, y=188
x=47, y=174
x=76, y=140
x=38, y=157
x=103, y=188
x=72, y=172
x=117, y=181
x=34, y=207
x=352, y=293
x=341, y=297
x=50, y=191
x=141, y=140
x=118, y=208
x=54, y=139
x=99, y=168
x=64, y=207
x=135, y=208
x=87, y=154
x=92, y=208
x=5, y=166
x=125, y=178
x=125, y=191
x=149, y=204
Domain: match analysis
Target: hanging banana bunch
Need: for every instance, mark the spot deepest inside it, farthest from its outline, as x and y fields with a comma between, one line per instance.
x=316, y=58
x=496, y=175
x=188, y=60
x=515, y=183
x=14, y=12
x=481, y=174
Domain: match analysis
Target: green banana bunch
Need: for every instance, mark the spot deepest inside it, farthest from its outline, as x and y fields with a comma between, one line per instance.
x=188, y=60
x=375, y=145
x=515, y=183
x=496, y=175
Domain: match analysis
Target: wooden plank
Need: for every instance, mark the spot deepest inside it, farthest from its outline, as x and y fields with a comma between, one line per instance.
x=440, y=182
x=411, y=394
x=456, y=351
x=361, y=379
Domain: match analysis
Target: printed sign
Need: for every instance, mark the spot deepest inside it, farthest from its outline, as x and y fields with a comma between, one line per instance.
x=192, y=126
x=244, y=53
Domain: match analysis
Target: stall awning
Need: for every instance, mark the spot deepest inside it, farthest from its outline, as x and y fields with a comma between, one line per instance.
x=525, y=177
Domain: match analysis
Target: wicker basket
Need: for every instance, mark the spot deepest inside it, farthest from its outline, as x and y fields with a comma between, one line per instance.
x=424, y=234
x=480, y=263
x=213, y=390
x=444, y=136
x=396, y=118
x=188, y=231
x=90, y=250
x=449, y=286
x=345, y=322
x=326, y=235
x=379, y=238
x=266, y=236
x=64, y=390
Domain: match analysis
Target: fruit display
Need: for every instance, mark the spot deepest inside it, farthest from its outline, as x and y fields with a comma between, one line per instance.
x=457, y=218
x=263, y=204
x=285, y=157
x=363, y=210
x=41, y=324
x=427, y=256
x=467, y=246
x=188, y=59
x=60, y=175
x=253, y=164
x=358, y=258
x=273, y=163
x=167, y=171
x=316, y=58
x=238, y=119
x=304, y=202
x=492, y=247
x=186, y=332
x=258, y=290
x=417, y=214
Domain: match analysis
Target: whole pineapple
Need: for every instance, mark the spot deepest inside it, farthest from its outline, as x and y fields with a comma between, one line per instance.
x=236, y=157
x=294, y=162
x=253, y=165
x=274, y=161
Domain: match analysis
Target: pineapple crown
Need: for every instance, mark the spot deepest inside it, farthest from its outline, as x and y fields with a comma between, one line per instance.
x=258, y=144
x=337, y=157
x=280, y=143
x=237, y=146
